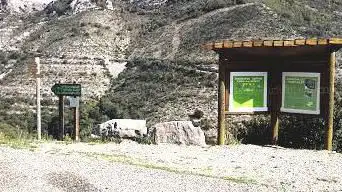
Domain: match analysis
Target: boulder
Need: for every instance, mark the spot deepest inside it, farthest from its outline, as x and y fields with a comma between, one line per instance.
x=178, y=132
x=124, y=128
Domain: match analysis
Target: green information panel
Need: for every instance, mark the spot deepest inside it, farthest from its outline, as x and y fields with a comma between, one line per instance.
x=301, y=93
x=248, y=91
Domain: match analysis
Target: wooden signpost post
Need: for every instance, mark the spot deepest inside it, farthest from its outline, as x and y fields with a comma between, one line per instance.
x=34, y=70
x=62, y=90
x=39, y=117
x=74, y=103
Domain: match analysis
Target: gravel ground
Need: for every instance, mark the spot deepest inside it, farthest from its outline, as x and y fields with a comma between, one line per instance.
x=133, y=167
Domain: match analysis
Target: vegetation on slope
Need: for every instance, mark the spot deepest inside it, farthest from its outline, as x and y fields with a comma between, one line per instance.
x=149, y=85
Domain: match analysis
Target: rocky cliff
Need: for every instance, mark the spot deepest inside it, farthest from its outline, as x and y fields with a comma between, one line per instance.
x=142, y=57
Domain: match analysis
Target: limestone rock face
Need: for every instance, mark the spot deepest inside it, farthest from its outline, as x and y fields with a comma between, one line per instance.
x=178, y=132
x=148, y=3
x=78, y=6
x=24, y=6
x=124, y=128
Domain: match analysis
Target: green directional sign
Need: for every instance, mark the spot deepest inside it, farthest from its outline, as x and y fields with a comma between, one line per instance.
x=67, y=89
x=301, y=93
x=248, y=91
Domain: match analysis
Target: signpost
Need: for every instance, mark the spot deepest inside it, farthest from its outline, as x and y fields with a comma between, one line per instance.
x=67, y=89
x=62, y=90
x=248, y=91
x=301, y=93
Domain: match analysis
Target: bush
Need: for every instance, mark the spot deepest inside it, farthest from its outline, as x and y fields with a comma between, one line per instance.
x=214, y=4
x=301, y=131
x=14, y=55
x=337, y=139
x=75, y=31
x=9, y=131
x=144, y=140
x=105, y=137
x=198, y=114
x=97, y=25
x=253, y=130
x=295, y=130
x=207, y=124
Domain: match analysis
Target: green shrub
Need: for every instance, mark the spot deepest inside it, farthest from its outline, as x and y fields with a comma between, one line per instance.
x=295, y=130
x=14, y=55
x=337, y=139
x=67, y=138
x=301, y=131
x=8, y=131
x=111, y=138
x=207, y=124
x=197, y=114
x=97, y=25
x=214, y=4
x=75, y=31
x=146, y=140
x=253, y=130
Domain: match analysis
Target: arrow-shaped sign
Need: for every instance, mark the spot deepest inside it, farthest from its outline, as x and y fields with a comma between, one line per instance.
x=67, y=89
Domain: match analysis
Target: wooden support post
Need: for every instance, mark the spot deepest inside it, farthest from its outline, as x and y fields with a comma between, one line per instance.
x=275, y=127
x=227, y=82
x=221, y=105
x=330, y=115
x=77, y=123
x=61, y=117
x=275, y=104
x=39, y=117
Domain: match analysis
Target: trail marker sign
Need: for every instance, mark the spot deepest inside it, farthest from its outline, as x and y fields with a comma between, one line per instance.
x=74, y=101
x=66, y=89
x=62, y=90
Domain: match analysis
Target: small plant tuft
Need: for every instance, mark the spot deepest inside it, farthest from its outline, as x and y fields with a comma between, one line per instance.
x=146, y=140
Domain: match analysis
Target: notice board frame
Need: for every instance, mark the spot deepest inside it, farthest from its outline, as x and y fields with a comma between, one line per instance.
x=301, y=111
x=248, y=109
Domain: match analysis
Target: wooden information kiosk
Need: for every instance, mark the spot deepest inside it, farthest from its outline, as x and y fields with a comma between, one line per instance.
x=276, y=76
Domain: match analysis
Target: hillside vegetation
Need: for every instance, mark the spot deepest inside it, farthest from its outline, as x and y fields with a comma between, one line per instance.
x=167, y=75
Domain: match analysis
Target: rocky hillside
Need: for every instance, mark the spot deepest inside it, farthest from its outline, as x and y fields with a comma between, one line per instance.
x=142, y=58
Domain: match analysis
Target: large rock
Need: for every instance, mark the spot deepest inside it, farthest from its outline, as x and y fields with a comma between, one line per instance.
x=178, y=132
x=124, y=128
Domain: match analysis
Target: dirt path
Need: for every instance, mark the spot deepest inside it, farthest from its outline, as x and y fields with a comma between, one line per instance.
x=24, y=170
